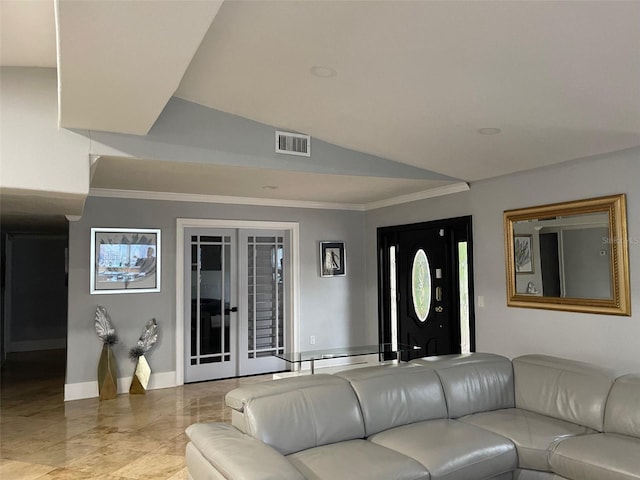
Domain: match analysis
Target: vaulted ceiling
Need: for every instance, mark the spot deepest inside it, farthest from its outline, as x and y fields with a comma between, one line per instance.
x=470, y=90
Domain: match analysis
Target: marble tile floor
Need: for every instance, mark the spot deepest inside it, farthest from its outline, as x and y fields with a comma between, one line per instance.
x=132, y=437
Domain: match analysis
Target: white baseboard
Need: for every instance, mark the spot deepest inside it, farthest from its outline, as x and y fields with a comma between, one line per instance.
x=78, y=391
x=160, y=380
x=33, y=345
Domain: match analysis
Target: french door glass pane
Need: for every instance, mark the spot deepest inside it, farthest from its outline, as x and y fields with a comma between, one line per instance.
x=210, y=291
x=265, y=312
x=226, y=312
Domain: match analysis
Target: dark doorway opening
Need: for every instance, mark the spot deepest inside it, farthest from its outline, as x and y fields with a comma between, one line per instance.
x=33, y=317
x=549, y=264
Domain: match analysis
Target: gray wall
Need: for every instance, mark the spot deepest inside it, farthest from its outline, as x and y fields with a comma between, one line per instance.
x=344, y=310
x=330, y=308
x=608, y=340
x=586, y=271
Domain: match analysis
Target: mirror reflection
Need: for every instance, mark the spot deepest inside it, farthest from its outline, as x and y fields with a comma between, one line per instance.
x=569, y=256
x=564, y=256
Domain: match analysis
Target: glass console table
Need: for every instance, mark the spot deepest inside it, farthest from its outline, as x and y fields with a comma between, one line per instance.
x=383, y=350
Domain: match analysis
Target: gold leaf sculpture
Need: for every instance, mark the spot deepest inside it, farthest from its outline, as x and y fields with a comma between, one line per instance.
x=107, y=370
x=142, y=373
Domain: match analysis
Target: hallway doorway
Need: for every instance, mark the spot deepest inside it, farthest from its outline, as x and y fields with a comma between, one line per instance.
x=34, y=293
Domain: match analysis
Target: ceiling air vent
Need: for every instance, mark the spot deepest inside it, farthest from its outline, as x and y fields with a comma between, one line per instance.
x=293, y=144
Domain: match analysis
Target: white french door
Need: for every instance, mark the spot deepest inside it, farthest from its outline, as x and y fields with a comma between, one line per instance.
x=263, y=262
x=235, y=307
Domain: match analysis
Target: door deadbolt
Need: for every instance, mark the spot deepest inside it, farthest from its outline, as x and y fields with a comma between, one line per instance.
x=439, y=309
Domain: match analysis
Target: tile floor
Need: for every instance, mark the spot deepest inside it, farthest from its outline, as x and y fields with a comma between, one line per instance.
x=129, y=438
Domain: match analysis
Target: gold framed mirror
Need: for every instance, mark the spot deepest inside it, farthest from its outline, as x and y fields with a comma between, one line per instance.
x=570, y=256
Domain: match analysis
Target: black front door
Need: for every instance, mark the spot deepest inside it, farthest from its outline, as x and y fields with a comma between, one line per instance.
x=425, y=285
x=424, y=291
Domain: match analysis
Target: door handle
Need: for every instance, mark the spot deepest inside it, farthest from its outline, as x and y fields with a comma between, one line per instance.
x=227, y=311
x=438, y=294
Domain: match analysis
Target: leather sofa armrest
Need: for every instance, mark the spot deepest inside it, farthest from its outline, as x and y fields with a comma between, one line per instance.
x=228, y=449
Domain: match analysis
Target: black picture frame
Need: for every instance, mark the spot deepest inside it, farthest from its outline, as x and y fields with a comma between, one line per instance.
x=333, y=260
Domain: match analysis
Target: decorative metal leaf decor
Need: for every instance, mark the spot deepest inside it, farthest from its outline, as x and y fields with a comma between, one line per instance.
x=146, y=341
x=104, y=328
x=142, y=374
x=107, y=371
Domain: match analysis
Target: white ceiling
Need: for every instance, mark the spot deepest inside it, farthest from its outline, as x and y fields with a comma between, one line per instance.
x=27, y=33
x=121, y=61
x=413, y=83
x=415, y=80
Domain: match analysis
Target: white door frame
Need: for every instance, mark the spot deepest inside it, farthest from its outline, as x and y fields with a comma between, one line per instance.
x=294, y=286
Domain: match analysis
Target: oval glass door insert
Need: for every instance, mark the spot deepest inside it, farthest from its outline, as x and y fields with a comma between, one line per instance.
x=421, y=285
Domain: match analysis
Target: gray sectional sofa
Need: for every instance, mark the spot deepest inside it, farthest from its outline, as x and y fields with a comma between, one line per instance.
x=478, y=416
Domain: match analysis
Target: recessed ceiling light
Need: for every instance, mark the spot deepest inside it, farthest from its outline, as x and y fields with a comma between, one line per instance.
x=323, y=71
x=269, y=187
x=489, y=131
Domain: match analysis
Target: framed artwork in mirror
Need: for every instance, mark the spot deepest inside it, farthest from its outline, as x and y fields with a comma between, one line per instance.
x=332, y=259
x=574, y=254
x=523, y=253
x=125, y=260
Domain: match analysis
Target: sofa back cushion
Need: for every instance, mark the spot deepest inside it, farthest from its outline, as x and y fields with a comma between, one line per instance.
x=391, y=396
x=622, y=414
x=239, y=397
x=305, y=418
x=564, y=389
x=476, y=383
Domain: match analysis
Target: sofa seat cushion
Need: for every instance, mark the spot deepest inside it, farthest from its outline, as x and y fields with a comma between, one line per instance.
x=533, y=434
x=357, y=460
x=603, y=456
x=535, y=475
x=451, y=450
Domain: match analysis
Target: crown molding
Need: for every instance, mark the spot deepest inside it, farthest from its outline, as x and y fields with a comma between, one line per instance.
x=272, y=202
x=199, y=198
x=413, y=197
